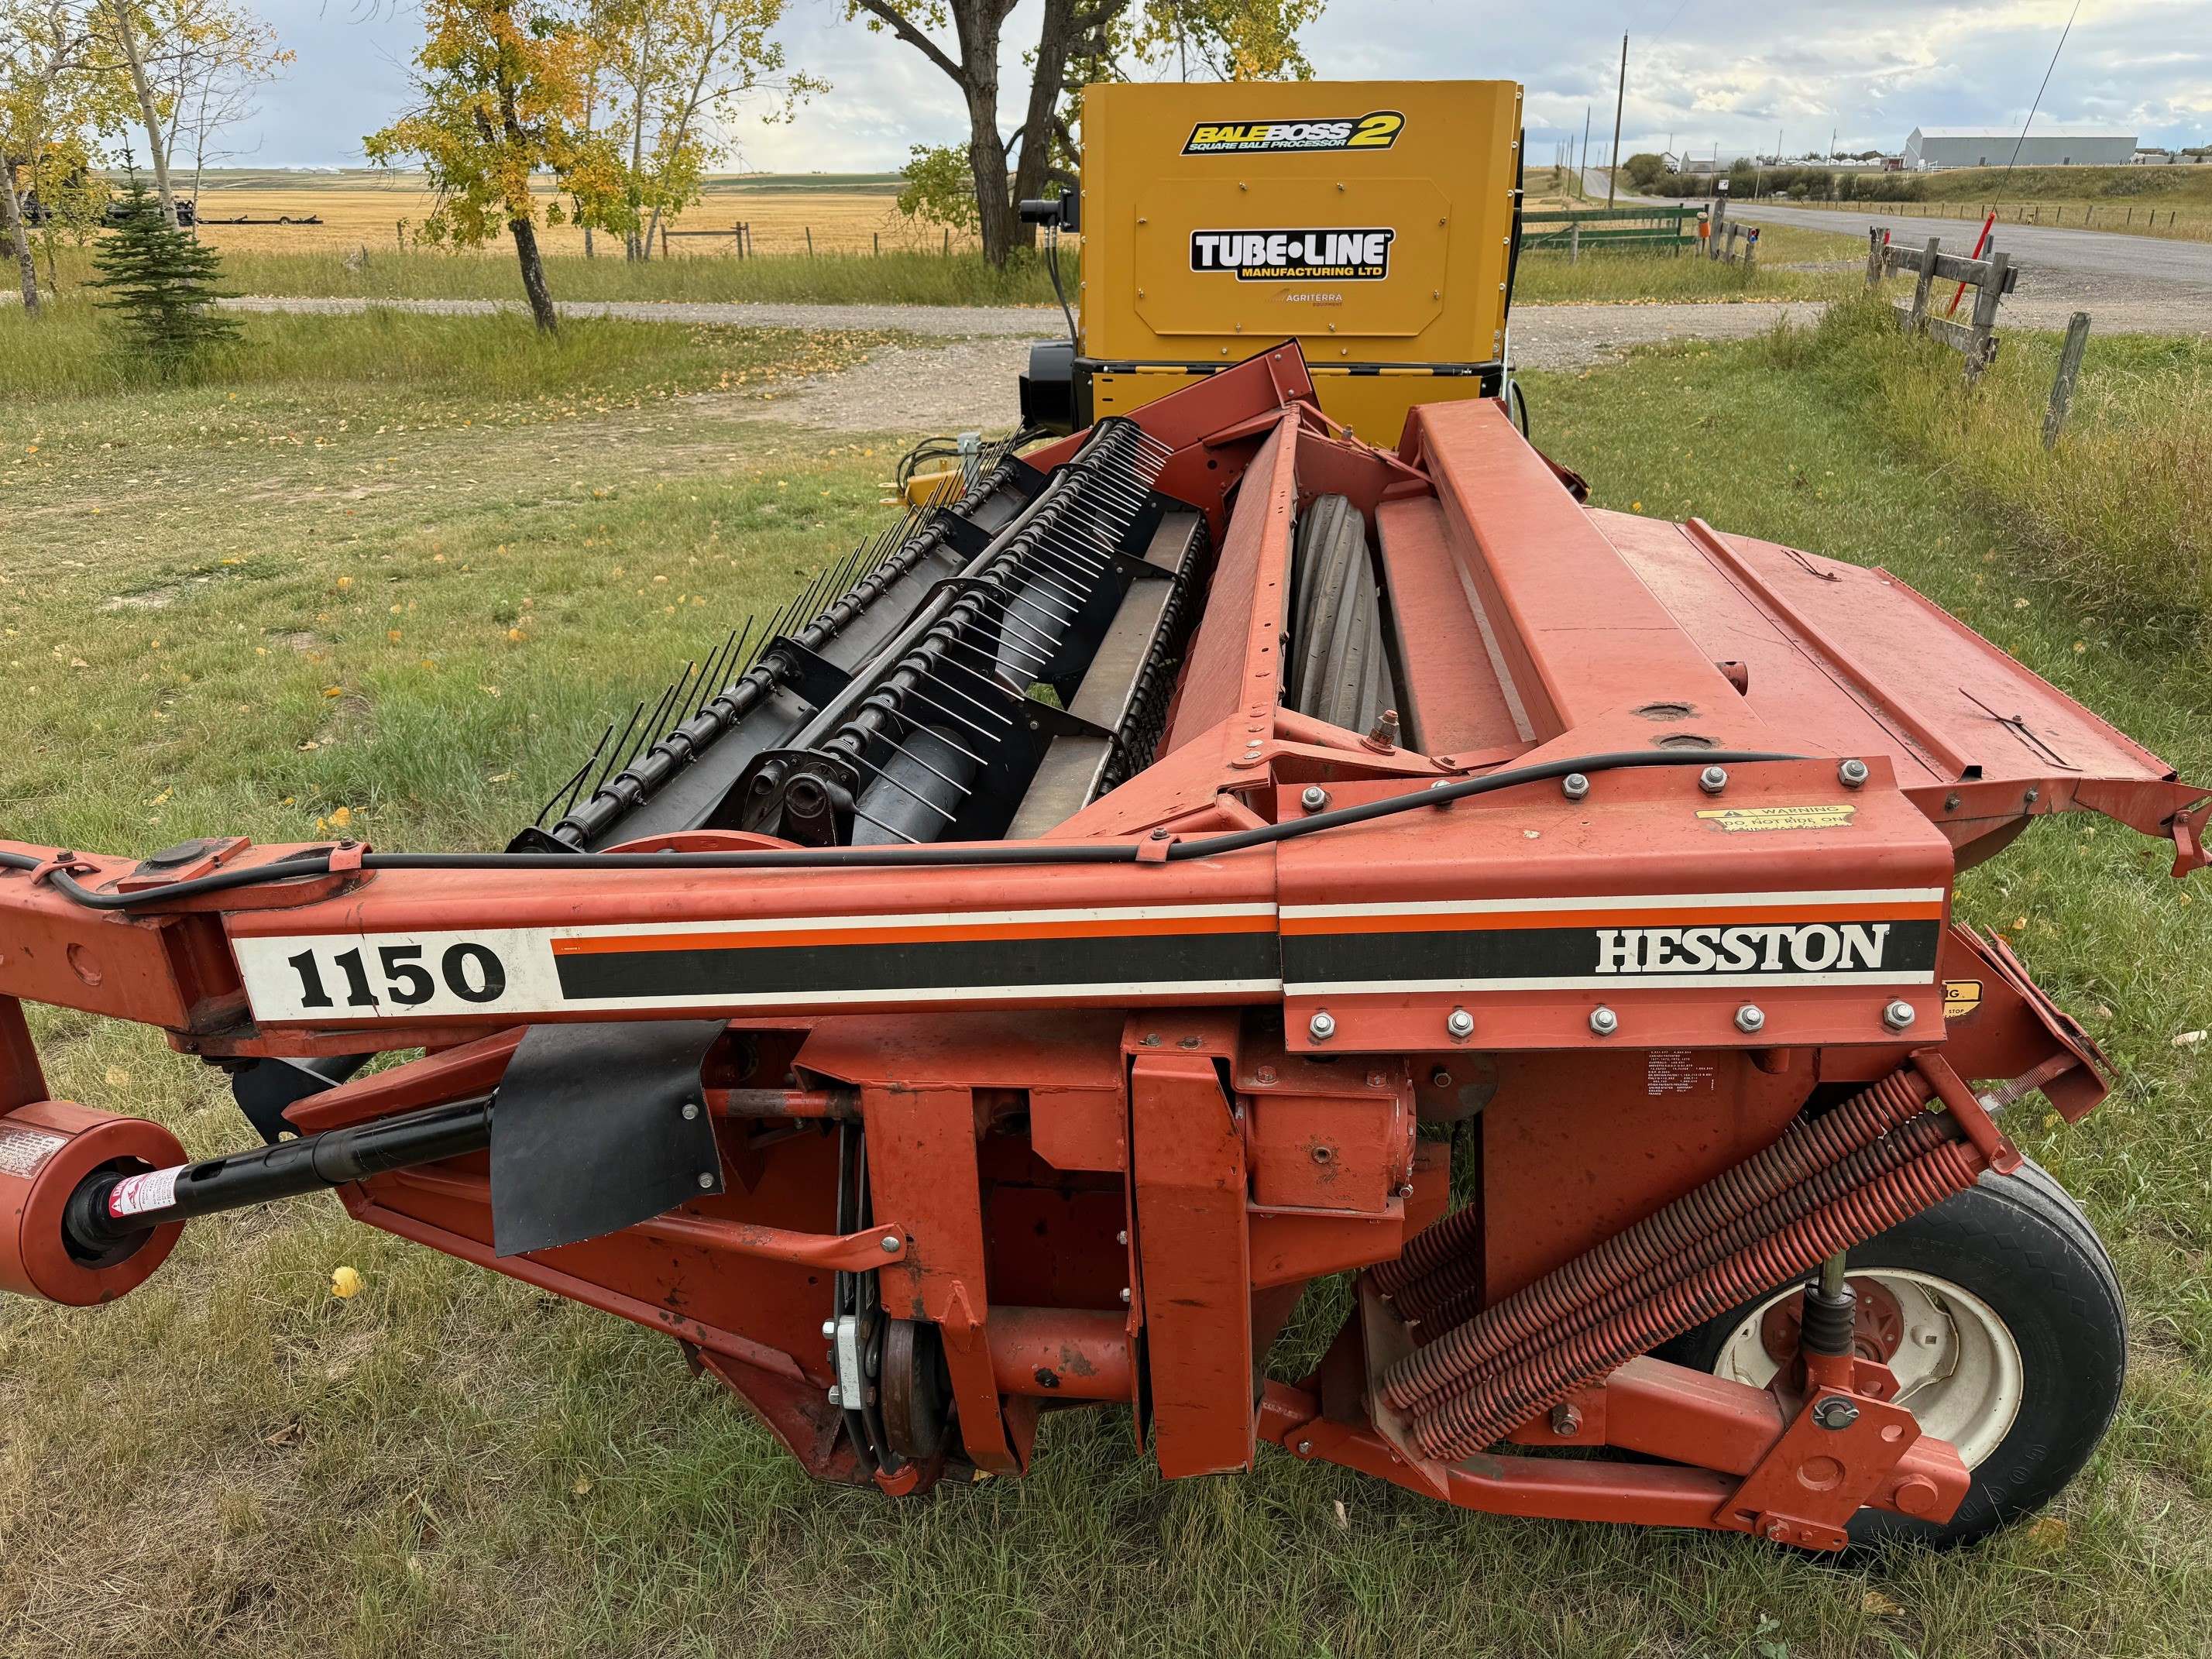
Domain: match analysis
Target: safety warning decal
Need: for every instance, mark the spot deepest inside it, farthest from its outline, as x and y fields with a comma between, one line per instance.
x=23, y=1151
x=1738, y=819
x=1962, y=997
x=1377, y=129
x=1360, y=255
x=156, y=1189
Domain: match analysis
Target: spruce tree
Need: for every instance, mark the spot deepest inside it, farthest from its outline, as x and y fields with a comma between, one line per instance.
x=160, y=280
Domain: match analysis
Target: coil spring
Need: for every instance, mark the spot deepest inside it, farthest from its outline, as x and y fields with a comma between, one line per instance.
x=1435, y=1245
x=1435, y=1369
x=1462, y=1424
x=1664, y=1236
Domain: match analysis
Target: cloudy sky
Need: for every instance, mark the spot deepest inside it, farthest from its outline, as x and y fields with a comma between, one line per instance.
x=1702, y=72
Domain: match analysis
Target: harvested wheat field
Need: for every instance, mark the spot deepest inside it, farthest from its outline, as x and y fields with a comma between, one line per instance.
x=844, y=213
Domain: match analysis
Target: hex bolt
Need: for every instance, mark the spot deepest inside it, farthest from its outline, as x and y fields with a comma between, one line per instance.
x=1898, y=1015
x=1750, y=1017
x=1460, y=1023
x=829, y=1328
x=706, y=1180
x=1305, y=1449
x=1122, y=1238
x=1323, y=1026
x=690, y=1111
x=1713, y=780
x=837, y=1396
x=1835, y=1412
x=1574, y=786
x=1125, y=1296
x=1440, y=1078
x=1313, y=797
x=1603, y=1021
x=890, y=1244
x=1566, y=1420
x=1853, y=774
x=1778, y=1531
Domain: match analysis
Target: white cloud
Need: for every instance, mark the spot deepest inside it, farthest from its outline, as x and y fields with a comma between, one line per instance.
x=1707, y=72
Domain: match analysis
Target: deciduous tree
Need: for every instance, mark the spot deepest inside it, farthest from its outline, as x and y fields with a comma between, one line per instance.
x=52, y=89
x=500, y=85
x=1233, y=40
x=209, y=59
x=678, y=68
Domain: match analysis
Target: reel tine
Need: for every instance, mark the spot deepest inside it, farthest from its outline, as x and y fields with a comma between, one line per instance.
x=620, y=742
x=885, y=828
x=568, y=784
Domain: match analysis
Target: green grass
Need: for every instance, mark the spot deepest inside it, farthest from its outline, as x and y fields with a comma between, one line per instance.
x=74, y=349
x=2114, y=512
x=959, y=279
x=1623, y=277
x=232, y=1461
x=2181, y=186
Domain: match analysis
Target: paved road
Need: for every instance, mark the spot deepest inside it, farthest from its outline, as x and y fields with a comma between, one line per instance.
x=2126, y=283
x=2101, y=253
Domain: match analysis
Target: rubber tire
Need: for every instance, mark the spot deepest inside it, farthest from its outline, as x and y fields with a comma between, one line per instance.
x=2022, y=1246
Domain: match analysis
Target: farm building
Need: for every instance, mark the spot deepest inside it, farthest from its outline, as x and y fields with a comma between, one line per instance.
x=1987, y=147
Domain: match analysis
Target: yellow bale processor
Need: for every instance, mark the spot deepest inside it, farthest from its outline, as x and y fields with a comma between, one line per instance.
x=1373, y=222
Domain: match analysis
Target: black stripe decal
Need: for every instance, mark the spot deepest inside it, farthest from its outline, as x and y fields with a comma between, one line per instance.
x=803, y=969
x=1781, y=950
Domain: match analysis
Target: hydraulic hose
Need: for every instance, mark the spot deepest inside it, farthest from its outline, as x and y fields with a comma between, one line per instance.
x=316, y=862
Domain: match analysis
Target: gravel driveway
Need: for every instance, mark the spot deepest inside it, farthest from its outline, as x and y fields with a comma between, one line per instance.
x=969, y=383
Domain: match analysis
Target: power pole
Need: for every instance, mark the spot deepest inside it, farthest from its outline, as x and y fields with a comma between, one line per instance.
x=1613, y=176
x=1581, y=168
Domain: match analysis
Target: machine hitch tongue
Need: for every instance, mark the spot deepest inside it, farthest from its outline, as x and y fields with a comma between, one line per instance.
x=109, y=1211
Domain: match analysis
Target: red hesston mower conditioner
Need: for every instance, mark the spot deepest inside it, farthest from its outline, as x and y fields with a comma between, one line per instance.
x=1213, y=855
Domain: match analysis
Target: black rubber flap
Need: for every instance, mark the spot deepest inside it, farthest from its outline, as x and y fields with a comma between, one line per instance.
x=588, y=1135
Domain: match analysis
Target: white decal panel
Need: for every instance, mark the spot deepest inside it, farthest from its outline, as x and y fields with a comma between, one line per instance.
x=310, y=979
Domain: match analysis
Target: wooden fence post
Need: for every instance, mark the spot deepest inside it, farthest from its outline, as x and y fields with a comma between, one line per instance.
x=1717, y=218
x=1919, y=314
x=2069, y=369
x=664, y=241
x=877, y=236
x=1750, y=249
x=1873, y=255
x=1980, y=348
x=1575, y=244
x=809, y=241
x=948, y=241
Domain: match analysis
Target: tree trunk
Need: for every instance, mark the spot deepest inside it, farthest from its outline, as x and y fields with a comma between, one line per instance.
x=682, y=131
x=126, y=36
x=12, y=206
x=534, y=276
x=1055, y=38
x=637, y=150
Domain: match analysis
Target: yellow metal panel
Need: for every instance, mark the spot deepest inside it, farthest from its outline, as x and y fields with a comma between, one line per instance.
x=1371, y=221
x=1372, y=406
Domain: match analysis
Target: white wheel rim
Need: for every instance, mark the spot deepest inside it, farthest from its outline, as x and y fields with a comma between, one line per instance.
x=1958, y=1368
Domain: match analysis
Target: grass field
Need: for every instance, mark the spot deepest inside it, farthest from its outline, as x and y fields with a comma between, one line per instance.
x=845, y=213
x=247, y=605
x=2180, y=221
